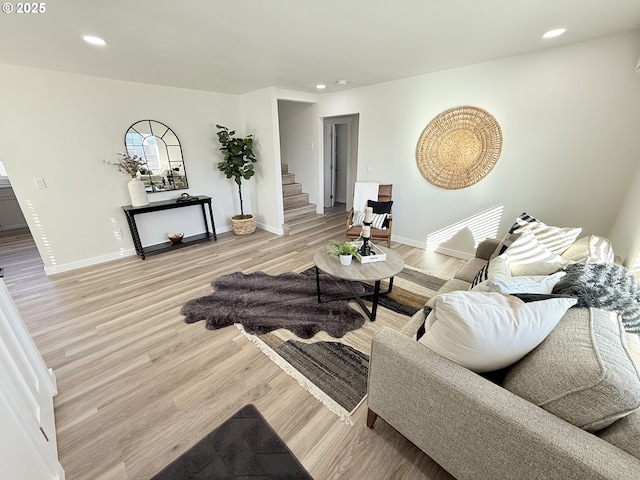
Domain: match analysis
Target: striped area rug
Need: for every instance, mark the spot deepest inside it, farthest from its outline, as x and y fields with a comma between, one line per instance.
x=334, y=370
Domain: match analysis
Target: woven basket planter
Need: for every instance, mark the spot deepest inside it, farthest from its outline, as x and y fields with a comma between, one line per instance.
x=459, y=147
x=244, y=226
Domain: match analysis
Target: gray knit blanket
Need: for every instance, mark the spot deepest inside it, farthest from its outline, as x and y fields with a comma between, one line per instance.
x=607, y=286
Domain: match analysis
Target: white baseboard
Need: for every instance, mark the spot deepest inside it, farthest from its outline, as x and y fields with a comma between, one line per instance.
x=87, y=262
x=422, y=245
x=275, y=231
x=407, y=241
x=454, y=253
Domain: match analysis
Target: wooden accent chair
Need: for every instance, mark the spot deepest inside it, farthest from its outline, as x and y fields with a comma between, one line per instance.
x=353, y=232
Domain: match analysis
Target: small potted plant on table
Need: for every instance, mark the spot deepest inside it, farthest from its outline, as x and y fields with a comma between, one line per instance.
x=345, y=250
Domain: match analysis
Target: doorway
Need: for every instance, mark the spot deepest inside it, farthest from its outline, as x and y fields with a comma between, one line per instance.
x=340, y=161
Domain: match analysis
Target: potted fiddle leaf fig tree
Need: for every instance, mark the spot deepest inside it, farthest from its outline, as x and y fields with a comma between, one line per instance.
x=237, y=164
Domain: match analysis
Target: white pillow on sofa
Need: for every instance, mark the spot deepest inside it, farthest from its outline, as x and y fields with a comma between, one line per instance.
x=486, y=331
x=527, y=256
x=590, y=249
x=521, y=284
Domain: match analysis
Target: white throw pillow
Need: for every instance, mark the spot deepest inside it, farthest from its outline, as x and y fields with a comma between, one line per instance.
x=486, y=331
x=527, y=256
x=591, y=249
x=524, y=284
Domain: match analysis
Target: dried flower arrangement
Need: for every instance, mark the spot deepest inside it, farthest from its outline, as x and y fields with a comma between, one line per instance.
x=131, y=165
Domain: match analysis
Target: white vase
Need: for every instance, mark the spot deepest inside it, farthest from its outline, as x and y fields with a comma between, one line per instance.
x=346, y=259
x=137, y=192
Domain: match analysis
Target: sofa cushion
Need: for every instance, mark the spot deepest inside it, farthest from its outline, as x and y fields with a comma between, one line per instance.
x=582, y=372
x=521, y=284
x=486, y=331
x=590, y=249
x=527, y=256
x=625, y=432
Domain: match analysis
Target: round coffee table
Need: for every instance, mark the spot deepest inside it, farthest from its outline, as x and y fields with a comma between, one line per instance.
x=330, y=264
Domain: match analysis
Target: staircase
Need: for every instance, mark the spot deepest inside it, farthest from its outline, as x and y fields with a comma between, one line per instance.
x=299, y=214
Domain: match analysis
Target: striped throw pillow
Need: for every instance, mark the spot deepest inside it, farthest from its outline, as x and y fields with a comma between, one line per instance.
x=556, y=239
x=377, y=220
x=527, y=256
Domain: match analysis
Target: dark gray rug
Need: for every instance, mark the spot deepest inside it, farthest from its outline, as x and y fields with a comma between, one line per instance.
x=337, y=369
x=263, y=303
x=243, y=447
x=335, y=372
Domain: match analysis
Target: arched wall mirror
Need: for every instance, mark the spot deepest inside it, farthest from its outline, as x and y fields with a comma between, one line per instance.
x=160, y=148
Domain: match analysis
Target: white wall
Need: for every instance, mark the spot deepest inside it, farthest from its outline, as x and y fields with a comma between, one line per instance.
x=570, y=122
x=625, y=234
x=61, y=127
x=260, y=119
x=299, y=143
x=569, y=118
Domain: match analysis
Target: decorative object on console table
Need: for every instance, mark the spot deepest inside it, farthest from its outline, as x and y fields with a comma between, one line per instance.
x=137, y=192
x=131, y=165
x=237, y=164
x=175, y=237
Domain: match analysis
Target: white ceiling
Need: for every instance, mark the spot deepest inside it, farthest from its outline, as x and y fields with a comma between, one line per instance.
x=238, y=46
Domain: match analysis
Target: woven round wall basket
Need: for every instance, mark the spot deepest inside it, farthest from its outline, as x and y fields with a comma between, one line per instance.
x=459, y=147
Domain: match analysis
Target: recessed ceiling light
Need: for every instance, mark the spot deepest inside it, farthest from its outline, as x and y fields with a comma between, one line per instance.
x=94, y=40
x=321, y=86
x=341, y=82
x=554, y=33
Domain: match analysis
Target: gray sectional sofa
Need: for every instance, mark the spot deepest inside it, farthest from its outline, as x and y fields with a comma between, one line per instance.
x=476, y=427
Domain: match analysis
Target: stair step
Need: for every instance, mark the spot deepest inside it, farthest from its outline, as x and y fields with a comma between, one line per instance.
x=304, y=222
x=291, y=189
x=296, y=212
x=295, y=200
x=284, y=168
x=288, y=178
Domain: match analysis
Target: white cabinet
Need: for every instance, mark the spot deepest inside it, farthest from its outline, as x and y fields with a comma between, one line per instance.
x=28, y=448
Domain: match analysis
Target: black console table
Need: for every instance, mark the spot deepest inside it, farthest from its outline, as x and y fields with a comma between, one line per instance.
x=131, y=212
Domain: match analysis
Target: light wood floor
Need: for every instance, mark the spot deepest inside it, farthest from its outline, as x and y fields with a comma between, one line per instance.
x=137, y=386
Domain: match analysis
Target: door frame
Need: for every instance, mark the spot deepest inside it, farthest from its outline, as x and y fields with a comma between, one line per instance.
x=352, y=122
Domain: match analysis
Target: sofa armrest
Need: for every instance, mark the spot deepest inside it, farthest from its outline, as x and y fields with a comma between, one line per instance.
x=486, y=247
x=476, y=429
